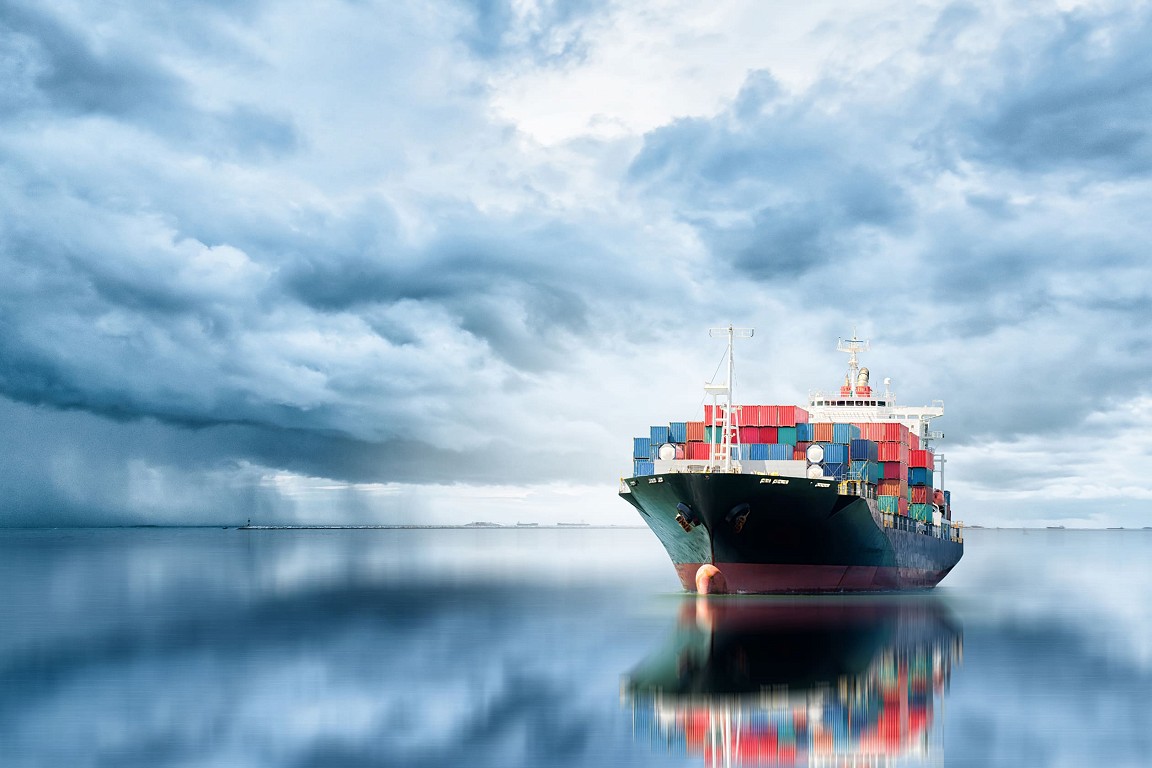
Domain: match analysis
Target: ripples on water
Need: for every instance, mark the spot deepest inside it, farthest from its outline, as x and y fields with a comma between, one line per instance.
x=556, y=647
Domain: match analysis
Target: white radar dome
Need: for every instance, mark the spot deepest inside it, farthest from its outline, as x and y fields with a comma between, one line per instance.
x=815, y=471
x=667, y=452
x=815, y=453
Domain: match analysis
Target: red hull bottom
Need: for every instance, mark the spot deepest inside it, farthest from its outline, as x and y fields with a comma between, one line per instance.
x=781, y=578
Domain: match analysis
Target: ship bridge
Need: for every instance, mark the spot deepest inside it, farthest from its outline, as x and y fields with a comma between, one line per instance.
x=856, y=402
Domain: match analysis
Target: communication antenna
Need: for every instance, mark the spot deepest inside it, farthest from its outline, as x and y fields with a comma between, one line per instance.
x=726, y=391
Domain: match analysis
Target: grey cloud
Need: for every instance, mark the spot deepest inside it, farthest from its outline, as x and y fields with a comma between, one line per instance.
x=771, y=185
x=1078, y=89
x=62, y=73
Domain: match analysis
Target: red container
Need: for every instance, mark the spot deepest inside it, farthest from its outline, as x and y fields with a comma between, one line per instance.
x=697, y=451
x=894, y=470
x=767, y=435
x=785, y=416
x=918, y=458
x=919, y=494
x=695, y=431
x=914, y=441
x=892, y=452
x=902, y=504
x=755, y=415
x=799, y=454
x=711, y=417
x=822, y=432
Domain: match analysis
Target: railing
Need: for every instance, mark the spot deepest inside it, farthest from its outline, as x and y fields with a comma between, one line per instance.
x=949, y=530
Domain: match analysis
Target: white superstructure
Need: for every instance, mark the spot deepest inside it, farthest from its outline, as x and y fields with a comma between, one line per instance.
x=856, y=402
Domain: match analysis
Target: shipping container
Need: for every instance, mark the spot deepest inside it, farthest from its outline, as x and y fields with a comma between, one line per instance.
x=865, y=471
x=920, y=494
x=660, y=435
x=780, y=452
x=785, y=435
x=893, y=487
x=888, y=504
x=696, y=431
x=836, y=453
x=698, y=451
x=800, y=454
x=845, y=433
x=892, y=452
x=822, y=432
x=919, y=476
x=805, y=433
x=892, y=470
x=640, y=447
x=836, y=470
x=679, y=431
x=919, y=458
x=921, y=512
x=863, y=450
x=914, y=441
x=641, y=468
x=884, y=431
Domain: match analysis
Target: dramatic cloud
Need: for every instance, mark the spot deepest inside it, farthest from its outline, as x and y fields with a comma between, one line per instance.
x=478, y=243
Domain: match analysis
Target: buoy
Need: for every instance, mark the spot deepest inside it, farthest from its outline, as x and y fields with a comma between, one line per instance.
x=710, y=581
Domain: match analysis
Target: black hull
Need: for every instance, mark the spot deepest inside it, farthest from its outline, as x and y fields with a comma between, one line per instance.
x=774, y=534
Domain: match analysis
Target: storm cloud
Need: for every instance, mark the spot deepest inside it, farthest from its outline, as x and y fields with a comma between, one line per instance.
x=255, y=241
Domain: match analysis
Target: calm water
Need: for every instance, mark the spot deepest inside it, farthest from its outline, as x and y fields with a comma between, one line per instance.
x=556, y=647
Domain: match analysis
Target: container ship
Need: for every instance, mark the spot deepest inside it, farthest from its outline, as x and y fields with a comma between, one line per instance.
x=840, y=496
x=781, y=681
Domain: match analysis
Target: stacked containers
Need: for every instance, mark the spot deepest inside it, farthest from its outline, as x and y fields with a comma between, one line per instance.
x=891, y=439
x=836, y=459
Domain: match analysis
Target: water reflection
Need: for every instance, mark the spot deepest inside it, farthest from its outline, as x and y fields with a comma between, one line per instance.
x=763, y=681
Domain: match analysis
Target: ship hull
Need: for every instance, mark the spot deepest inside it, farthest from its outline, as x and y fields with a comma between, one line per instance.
x=776, y=535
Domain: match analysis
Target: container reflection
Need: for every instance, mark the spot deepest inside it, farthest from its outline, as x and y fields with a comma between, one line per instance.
x=764, y=681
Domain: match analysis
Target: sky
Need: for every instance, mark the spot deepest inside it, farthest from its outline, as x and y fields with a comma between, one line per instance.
x=396, y=262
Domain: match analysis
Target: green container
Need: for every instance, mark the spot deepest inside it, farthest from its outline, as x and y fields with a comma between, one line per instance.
x=921, y=512
x=889, y=504
x=786, y=435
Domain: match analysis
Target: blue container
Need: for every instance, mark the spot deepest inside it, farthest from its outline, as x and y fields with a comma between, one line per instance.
x=804, y=433
x=837, y=470
x=641, y=468
x=679, y=430
x=758, y=451
x=863, y=450
x=867, y=471
x=787, y=435
x=835, y=453
x=845, y=433
x=919, y=476
x=780, y=452
x=660, y=435
x=640, y=447
x=654, y=451
x=948, y=498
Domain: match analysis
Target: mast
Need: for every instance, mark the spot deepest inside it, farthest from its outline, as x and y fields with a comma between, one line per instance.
x=852, y=346
x=726, y=391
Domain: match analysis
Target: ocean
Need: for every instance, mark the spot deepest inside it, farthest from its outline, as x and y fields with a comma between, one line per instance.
x=567, y=647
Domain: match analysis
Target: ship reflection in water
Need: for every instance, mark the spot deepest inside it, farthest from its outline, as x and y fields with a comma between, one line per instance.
x=771, y=681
